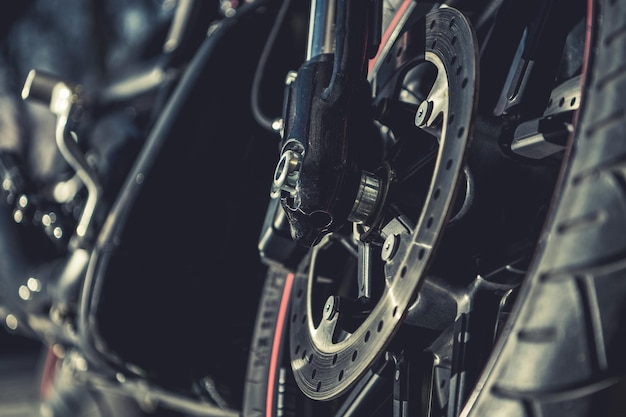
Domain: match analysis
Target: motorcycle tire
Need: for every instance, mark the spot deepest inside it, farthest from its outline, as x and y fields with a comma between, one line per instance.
x=560, y=351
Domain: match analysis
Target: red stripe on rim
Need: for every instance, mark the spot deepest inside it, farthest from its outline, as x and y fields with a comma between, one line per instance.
x=280, y=325
x=389, y=31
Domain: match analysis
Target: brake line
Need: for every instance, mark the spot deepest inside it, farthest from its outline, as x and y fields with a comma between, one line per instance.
x=264, y=120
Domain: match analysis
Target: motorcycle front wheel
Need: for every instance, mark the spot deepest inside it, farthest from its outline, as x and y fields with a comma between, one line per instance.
x=496, y=273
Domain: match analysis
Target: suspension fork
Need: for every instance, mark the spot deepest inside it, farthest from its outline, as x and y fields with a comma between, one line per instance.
x=324, y=176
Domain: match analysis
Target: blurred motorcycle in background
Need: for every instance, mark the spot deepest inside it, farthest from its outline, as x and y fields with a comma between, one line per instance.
x=334, y=207
x=116, y=247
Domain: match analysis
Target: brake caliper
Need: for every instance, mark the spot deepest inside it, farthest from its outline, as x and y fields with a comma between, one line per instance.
x=324, y=177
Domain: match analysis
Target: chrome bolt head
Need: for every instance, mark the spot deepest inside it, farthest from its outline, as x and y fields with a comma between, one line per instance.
x=423, y=113
x=330, y=308
x=390, y=247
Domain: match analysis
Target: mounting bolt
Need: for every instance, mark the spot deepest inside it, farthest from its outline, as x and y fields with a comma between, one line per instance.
x=390, y=247
x=423, y=113
x=331, y=307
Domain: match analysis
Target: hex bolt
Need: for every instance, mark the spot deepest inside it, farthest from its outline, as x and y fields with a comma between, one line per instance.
x=390, y=246
x=423, y=113
x=331, y=307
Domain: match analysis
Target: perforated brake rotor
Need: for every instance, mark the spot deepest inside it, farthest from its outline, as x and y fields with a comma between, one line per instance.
x=326, y=359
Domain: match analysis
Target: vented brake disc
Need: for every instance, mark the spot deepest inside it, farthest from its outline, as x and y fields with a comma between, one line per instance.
x=327, y=359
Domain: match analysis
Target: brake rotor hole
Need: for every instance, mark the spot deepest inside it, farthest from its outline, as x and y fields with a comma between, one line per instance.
x=319, y=386
x=453, y=40
x=294, y=318
x=303, y=354
x=311, y=358
x=403, y=272
x=334, y=358
x=464, y=83
x=354, y=354
x=451, y=118
x=436, y=193
x=380, y=326
x=340, y=375
x=432, y=24
x=429, y=222
x=421, y=254
x=452, y=22
x=460, y=132
x=303, y=319
x=394, y=312
x=449, y=164
x=367, y=336
x=459, y=69
x=313, y=373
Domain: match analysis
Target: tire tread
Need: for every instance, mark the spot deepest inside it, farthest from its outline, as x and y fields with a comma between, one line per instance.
x=581, y=261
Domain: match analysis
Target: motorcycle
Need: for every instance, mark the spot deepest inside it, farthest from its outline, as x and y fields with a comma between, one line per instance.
x=420, y=210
